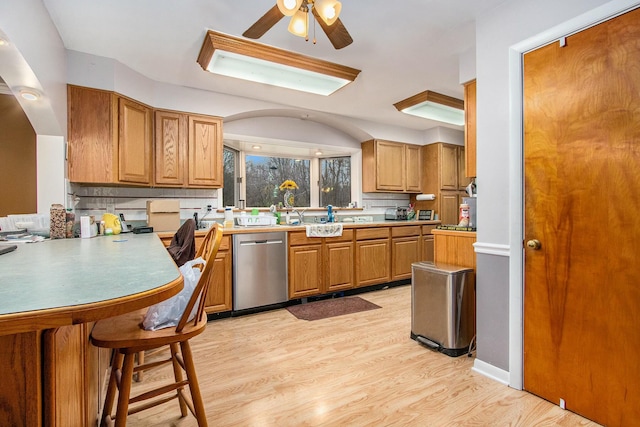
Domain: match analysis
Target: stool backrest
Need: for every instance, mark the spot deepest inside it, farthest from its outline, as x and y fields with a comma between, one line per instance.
x=208, y=251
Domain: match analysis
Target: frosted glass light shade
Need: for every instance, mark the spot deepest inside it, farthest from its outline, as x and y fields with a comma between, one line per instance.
x=289, y=7
x=299, y=24
x=434, y=106
x=329, y=10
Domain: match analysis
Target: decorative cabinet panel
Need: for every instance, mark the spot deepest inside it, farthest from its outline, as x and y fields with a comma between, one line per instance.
x=305, y=271
x=373, y=256
x=170, y=148
x=405, y=250
x=389, y=166
x=470, y=128
x=110, y=138
x=205, y=152
x=339, y=266
x=188, y=150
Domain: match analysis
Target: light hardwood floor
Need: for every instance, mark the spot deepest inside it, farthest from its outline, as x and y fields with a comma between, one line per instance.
x=362, y=369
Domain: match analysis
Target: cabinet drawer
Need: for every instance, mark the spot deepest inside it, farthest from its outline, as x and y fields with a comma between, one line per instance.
x=225, y=244
x=426, y=229
x=405, y=231
x=372, y=233
x=297, y=238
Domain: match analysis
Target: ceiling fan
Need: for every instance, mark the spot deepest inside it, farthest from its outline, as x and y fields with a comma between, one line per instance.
x=326, y=13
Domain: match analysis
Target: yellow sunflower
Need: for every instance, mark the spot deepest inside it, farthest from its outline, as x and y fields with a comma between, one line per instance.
x=288, y=185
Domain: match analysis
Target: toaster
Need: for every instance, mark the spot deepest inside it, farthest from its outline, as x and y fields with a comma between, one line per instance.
x=395, y=214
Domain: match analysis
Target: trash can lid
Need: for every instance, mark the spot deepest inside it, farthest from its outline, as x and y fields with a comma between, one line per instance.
x=440, y=267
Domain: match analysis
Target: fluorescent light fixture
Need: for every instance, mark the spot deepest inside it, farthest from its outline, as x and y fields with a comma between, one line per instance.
x=434, y=106
x=235, y=57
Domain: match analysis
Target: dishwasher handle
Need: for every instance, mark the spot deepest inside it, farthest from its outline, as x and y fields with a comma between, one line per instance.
x=261, y=242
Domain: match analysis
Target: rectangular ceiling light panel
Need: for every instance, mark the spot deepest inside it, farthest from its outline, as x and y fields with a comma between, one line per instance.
x=434, y=106
x=247, y=60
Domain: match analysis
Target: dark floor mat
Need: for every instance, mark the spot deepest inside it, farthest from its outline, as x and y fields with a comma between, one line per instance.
x=331, y=308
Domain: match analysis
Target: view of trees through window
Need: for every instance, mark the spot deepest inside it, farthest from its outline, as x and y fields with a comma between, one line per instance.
x=335, y=181
x=265, y=174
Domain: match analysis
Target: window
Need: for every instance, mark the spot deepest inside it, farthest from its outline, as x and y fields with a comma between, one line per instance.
x=265, y=174
x=335, y=181
x=230, y=159
x=252, y=180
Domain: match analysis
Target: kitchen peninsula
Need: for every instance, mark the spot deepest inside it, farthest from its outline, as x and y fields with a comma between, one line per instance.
x=50, y=295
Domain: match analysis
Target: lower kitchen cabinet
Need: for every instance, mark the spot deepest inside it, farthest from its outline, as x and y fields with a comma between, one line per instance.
x=339, y=266
x=405, y=250
x=428, y=248
x=320, y=265
x=373, y=256
x=305, y=271
x=219, y=297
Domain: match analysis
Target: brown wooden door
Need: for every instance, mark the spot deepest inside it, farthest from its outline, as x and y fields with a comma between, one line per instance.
x=170, y=148
x=582, y=199
x=135, y=142
x=205, y=152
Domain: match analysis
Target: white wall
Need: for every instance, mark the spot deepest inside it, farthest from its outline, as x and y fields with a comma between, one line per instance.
x=500, y=35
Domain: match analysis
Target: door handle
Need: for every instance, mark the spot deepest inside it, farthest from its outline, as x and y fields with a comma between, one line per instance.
x=534, y=244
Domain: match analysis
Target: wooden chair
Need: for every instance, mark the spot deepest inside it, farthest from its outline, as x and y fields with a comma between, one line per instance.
x=125, y=335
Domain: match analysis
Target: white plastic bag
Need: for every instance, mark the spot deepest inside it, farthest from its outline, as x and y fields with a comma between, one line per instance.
x=167, y=313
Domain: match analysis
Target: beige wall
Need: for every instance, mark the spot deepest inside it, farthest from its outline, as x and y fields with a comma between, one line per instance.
x=17, y=159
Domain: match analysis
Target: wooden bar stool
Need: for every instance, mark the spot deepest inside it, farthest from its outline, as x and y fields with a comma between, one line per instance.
x=126, y=336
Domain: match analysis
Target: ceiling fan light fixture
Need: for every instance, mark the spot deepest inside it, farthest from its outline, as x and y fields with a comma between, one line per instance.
x=299, y=24
x=329, y=10
x=434, y=106
x=289, y=7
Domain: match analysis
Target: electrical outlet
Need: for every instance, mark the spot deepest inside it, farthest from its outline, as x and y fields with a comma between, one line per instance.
x=208, y=208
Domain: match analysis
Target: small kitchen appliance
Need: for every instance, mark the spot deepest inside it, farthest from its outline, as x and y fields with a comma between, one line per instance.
x=396, y=214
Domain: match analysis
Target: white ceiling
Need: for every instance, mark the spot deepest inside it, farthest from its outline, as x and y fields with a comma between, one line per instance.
x=402, y=47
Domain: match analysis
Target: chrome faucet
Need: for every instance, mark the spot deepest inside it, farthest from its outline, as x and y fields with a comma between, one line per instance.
x=300, y=214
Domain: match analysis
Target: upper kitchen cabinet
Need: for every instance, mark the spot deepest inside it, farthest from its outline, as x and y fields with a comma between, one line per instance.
x=470, y=127
x=110, y=138
x=205, y=152
x=188, y=150
x=390, y=167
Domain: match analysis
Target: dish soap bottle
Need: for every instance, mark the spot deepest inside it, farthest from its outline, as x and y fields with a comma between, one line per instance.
x=330, y=217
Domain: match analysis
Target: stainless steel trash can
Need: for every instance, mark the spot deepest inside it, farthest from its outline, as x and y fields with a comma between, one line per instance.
x=443, y=307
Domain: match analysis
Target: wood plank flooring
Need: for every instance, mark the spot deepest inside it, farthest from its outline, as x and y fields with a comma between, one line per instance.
x=362, y=369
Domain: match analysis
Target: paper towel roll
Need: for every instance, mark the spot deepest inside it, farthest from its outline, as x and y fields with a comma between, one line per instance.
x=85, y=227
x=426, y=197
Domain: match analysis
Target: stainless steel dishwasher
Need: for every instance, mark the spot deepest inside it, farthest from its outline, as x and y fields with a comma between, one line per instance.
x=259, y=269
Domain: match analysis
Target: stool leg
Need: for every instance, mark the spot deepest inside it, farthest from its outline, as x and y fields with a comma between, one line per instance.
x=177, y=374
x=194, y=387
x=116, y=363
x=125, y=390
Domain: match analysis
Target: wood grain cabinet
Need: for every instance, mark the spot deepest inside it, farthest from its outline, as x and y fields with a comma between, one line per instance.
x=188, y=150
x=320, y=265
x=444, y=176
x=219, y=297
x=389, y=166
x=428, y=251
x=373, y=256
x=110, y=138
x=470, y=127
x=405, y=250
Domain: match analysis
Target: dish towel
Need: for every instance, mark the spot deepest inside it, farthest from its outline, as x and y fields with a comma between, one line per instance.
x=324, y=230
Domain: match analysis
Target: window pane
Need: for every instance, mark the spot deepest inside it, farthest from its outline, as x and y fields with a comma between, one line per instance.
x=266, y=174
x=335, y=181
x=229, y=189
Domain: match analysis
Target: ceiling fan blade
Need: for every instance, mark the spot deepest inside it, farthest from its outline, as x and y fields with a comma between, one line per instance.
x=264, y=24
x=337, y=33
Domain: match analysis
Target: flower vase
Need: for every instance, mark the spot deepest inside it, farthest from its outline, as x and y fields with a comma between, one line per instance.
x=288, y=199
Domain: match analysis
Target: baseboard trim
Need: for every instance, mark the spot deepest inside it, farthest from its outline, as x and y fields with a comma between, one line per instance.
x=497, y=374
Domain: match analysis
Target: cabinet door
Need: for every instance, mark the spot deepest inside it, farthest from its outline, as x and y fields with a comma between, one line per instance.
x=205, y=152
x=449, y=207
x=372, y=262
x=305, y=271
x=427, y=249
x=339, y=266
x=449, y=167
x=92, y=129
x=219, y=295
x=462, y=178
x=134, y=142
x=470, y=128
x=404, y=252
x=414, y=168
x=170, y=148
x=390, y=166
